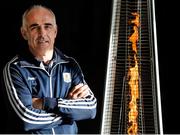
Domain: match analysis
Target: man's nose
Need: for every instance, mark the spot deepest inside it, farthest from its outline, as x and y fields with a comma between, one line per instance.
x=42, y=31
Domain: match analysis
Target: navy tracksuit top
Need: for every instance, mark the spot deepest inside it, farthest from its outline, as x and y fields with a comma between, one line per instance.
x=25, y=78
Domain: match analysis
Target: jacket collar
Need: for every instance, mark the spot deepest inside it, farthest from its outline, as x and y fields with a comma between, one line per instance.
x=27, y=59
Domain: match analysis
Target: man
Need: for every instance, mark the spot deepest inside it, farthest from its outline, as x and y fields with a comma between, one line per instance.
x=45, y=88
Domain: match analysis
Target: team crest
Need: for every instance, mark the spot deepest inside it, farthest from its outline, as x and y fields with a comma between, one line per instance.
x=67, y=77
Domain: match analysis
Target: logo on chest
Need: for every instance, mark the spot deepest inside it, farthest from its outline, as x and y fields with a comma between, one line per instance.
x=67, y=77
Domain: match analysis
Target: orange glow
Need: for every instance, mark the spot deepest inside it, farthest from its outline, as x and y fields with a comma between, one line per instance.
x=133, y=76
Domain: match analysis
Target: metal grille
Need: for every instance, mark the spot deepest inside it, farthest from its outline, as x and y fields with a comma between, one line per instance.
x=121, y=59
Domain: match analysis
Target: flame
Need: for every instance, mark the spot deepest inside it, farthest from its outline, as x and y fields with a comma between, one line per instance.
x=133, y=80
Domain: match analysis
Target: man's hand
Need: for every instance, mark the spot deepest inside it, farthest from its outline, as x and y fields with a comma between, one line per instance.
x=37, y=103
x=79, y=91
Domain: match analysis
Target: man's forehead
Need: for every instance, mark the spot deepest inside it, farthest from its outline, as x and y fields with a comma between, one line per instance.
x=39, y=14
x=41, y=19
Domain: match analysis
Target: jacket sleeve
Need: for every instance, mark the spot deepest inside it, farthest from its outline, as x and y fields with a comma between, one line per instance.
x=78, y=109
x=75, y=109
x=20, y=99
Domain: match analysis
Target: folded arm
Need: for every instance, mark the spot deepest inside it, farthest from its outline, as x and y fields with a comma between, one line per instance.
x=79, y=104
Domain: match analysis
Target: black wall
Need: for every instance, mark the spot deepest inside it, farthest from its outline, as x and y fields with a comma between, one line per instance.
x=84, y=34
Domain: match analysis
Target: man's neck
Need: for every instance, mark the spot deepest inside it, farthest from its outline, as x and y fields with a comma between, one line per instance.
x=45, y=57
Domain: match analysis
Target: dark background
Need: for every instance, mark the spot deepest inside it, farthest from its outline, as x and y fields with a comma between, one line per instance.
x=84, y=34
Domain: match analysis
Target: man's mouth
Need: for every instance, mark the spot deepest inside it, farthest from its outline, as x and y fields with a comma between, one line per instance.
x=42, y=41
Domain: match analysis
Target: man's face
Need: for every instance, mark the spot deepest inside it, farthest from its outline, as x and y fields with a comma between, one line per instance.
x=40, y=31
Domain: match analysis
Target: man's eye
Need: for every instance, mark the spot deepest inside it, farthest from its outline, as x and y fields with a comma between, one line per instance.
x=33, y=28
x=48, y=27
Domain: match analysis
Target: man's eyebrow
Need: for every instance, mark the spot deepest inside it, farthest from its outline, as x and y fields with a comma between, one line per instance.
x=35, y=24
x=48, y=24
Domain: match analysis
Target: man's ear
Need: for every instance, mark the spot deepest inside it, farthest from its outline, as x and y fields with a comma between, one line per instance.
x=56, y=31
x=23, y=33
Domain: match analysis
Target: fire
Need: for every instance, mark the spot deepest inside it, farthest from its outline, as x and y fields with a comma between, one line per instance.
x=133, y=76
